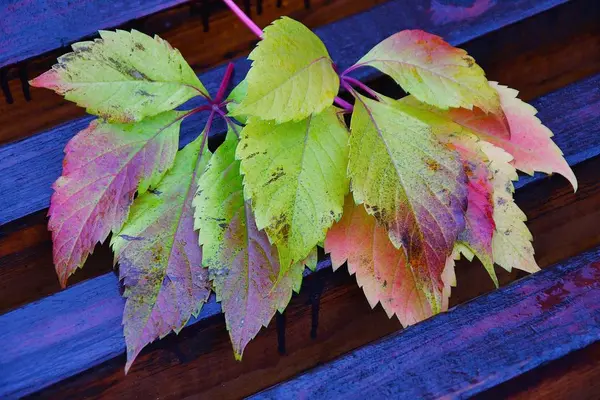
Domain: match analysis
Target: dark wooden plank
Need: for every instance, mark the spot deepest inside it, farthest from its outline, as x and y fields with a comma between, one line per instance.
x=30, y=28
x=474, y=346
x=576, y=376
x=201, y=355
x=33, y=164
x=573, y=212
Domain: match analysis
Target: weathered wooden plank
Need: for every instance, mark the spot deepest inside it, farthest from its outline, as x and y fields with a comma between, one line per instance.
x=474, y=346
x=33, y=164
x=27, y=371
x=30, y=28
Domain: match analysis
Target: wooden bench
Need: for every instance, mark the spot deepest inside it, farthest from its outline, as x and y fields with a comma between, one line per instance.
x=69, y=343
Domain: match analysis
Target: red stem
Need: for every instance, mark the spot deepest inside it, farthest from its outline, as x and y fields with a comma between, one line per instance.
x=344, y=104
x=244, y=18
x=224, y=83
x=359, y=84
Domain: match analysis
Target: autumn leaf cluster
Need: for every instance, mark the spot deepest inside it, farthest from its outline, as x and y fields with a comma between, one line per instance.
x=398, y=195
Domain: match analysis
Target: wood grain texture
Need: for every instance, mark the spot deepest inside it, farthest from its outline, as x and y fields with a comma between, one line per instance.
x=31, y=165
x=474, y=346
x=226, y=39
x=102, y=294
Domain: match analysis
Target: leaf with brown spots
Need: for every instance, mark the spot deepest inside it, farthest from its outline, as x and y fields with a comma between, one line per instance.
x=381, y=269
x=242, y=264
x=123, y=76
x=422, y=208
x=295, y=177
x=511, y=243
x=160, y=261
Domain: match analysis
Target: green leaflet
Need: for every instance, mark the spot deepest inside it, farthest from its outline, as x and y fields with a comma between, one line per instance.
x=292, y=75
x=159, y=259
x=123, y=77
x=295, y=176
x=413, y=185
x=242, y=263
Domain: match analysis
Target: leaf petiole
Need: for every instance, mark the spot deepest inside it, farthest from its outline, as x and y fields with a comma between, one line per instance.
x=347, y=81
x=343, y=103
x=224, y=84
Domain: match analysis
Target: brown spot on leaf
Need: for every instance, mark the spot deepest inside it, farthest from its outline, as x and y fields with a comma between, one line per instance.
x=469, y=60
x=276, y=175
x=432, y=165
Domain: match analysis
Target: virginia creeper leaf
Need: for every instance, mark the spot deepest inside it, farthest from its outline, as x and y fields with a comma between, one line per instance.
x=160, y=261
x=292, y=75
x=530, y=141
x=242, y=263
x=381, y=269
x=123, y=76
x=511, y=243
x=295, y=176
x=105, y=164
x=413, y=185
x=433, y=71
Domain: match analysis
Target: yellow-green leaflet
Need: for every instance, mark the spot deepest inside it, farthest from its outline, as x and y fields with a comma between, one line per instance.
x=295, y=176
x=123, y=77
x=243, y=265
x=292, y=75
x=511, y=243
x=413, y=185
x=159, y=259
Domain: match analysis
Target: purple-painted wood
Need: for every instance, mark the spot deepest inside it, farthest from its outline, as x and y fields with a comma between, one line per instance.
x=56, y=337
x=471, y=348
x=32, y=27
x=29, y=167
